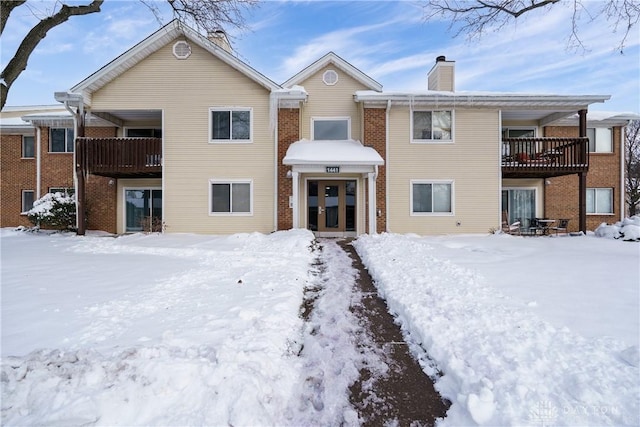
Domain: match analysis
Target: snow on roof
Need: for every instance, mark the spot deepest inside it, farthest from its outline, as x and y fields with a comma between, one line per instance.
x=343, y=152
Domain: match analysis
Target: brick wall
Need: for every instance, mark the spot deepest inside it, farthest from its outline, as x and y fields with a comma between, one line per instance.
x=561, y=194
x=19, y=174
x=16, y=174
x=288, y=133
x=375, y=136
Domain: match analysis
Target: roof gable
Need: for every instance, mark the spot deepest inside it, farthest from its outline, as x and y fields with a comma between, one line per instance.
x=332, y=58
x=156, y=41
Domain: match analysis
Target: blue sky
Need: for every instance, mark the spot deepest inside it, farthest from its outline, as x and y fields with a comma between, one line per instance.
x=389, y=41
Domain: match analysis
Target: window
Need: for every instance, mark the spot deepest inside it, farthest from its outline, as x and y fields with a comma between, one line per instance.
x=330, y=77
x=28, y=197
x=28, y=146
x=514, y=149
x=331, y=129
x=61, y=140
x=599, y=200
x=432, y=125
x=600, y=140
x=230, y=197
x=143, y=133
x=518, y=132
x=230, y=125
x=431, y=197
x=66, y=191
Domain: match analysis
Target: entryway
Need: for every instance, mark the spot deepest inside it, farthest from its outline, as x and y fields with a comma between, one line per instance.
x=331, y=207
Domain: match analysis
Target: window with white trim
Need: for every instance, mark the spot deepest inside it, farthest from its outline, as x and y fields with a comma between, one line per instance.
x=600, y=201
x=230, y=124
x=61, y=140
x=334, y=128
x=432, y=126
x=230, y=197
x=600, y=140
x=431, y=197
x=28, y=197
x=28, y=146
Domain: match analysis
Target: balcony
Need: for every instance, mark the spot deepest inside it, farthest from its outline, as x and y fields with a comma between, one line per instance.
x=120, y=157
x=544, y=157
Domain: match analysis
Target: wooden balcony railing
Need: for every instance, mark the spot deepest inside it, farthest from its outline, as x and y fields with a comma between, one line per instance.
x=120, y=157
x=544, y=157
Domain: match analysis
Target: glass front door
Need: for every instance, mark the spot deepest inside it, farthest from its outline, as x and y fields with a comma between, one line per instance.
x=143, y=210
x=331, y=206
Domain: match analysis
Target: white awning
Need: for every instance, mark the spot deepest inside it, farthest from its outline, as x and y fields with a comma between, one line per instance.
x=339, y=153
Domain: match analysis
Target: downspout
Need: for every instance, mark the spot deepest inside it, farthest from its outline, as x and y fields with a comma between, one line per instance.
x=623, y=192
x=276, y=182
x=38, y=163
x=75, y=175
x=386, y=165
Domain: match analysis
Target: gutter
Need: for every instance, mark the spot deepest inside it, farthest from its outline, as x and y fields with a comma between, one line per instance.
x=386, y=162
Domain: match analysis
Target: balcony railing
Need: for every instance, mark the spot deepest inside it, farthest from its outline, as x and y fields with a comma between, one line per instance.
x=120, y=157
x=544, y=157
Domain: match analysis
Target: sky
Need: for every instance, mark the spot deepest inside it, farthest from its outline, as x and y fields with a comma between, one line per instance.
x=389, y=41
x=206, y=330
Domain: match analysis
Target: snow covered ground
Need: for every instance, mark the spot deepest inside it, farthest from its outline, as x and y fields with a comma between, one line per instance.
x=206, y=330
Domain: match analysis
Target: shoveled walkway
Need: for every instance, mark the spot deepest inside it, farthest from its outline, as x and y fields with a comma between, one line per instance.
x=405, y=395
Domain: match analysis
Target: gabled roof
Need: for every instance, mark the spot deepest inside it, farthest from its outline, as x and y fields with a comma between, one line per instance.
x=156, y=41
x=332, y=58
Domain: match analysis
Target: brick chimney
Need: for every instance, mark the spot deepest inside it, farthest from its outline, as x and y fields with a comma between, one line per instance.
x=443, y=75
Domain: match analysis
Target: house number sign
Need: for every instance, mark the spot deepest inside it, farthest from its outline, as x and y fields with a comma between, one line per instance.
x=333, y=169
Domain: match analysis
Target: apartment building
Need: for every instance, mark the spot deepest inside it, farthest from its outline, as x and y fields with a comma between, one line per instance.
x=178, y=132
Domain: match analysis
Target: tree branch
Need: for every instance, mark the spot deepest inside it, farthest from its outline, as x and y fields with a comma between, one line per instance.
x=18, y=63
x=5, y=11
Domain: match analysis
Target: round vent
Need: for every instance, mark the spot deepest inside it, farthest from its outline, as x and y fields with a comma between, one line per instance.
x=181, y=50
x=330, y=77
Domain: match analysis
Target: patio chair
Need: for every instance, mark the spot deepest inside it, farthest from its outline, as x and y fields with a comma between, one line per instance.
x=510, y=228
x=561, y=227
x=534, y=226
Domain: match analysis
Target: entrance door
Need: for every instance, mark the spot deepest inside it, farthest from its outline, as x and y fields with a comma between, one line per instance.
x=331, y=206
x=143, y=210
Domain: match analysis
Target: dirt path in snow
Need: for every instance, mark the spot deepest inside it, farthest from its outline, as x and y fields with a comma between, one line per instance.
x=404, y=395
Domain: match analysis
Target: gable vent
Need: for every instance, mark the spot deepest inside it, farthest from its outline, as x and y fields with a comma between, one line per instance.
x=330, y=77
x=181, y=50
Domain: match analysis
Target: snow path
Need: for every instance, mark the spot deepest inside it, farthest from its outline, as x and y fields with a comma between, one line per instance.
x=335, y=347
x=501, y=365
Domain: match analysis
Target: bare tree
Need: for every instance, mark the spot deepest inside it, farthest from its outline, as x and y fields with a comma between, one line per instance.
x=475, y=17
x=632, y=167
x=204, y=15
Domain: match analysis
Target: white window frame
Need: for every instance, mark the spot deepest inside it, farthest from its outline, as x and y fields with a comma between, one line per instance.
x=431, y=141
x=327, y=119
x=230, y=140
x=230, y=182
x=67, y=144
x=599, y=135
x=432, y=181
x=22, y=156
x=508, y=128
x=24, y=211
x=595, y=200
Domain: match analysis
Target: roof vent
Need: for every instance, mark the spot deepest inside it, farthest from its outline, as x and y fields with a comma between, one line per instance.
x=441, y=58
x=330, y=77
x=181, y=50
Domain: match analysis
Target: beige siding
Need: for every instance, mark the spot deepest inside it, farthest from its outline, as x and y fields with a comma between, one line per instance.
x=185, y=90
x=331, y=101
x=471, y=162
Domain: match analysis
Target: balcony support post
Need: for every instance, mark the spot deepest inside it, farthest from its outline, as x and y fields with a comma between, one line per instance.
x=582, y=176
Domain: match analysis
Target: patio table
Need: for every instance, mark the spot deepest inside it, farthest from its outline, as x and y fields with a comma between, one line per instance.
x=545, y=225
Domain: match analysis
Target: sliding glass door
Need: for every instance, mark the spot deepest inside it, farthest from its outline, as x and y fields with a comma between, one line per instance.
x=520, y=203
x=143, y=210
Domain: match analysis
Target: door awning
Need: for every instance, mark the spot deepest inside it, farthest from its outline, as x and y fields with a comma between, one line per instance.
x=341, y=153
